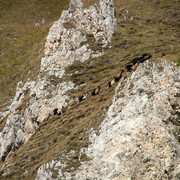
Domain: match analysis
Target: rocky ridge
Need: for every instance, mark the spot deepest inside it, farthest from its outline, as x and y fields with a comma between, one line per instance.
x=67, y=42
x=136, y=139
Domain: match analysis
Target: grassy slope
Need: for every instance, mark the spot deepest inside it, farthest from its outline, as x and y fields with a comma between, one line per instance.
x=132, y=38
x=22, y=43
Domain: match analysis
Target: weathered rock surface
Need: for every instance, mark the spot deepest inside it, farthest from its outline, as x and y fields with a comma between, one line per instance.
x=136, y=139
x=64, y=46
x=20, y=93
x=70, y=44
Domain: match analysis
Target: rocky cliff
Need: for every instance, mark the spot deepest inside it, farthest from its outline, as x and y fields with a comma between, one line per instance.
x=64, y=46
x=128, y=129
x=136, y=138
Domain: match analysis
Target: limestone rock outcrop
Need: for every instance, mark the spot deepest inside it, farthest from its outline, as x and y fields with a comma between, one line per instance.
x=68, y=37
x=136, y=139
x=67, y=42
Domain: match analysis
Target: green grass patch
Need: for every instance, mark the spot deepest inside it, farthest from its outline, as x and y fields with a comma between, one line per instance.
x=178, y=63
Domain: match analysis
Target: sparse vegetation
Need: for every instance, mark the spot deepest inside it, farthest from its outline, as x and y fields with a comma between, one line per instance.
x=160, y=69
x=2, y=123
x=178, y=63
x=87, y=3
x=55, y=80
x=69, y=25
x=23, y=105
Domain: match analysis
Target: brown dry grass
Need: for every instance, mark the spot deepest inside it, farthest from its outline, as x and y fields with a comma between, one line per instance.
x=87, y=3
x=22, y=43
x=154, y=29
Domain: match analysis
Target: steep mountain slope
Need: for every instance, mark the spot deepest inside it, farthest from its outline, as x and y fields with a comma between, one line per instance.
x=24, y=26
x=86, y=49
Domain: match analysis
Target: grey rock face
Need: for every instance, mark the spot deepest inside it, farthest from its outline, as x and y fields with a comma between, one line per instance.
x=20, y=137
x=6, y=146
x=14, y=125
x=136, y=139
x=75, y=4
x=20, y=93
x=63, y=47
